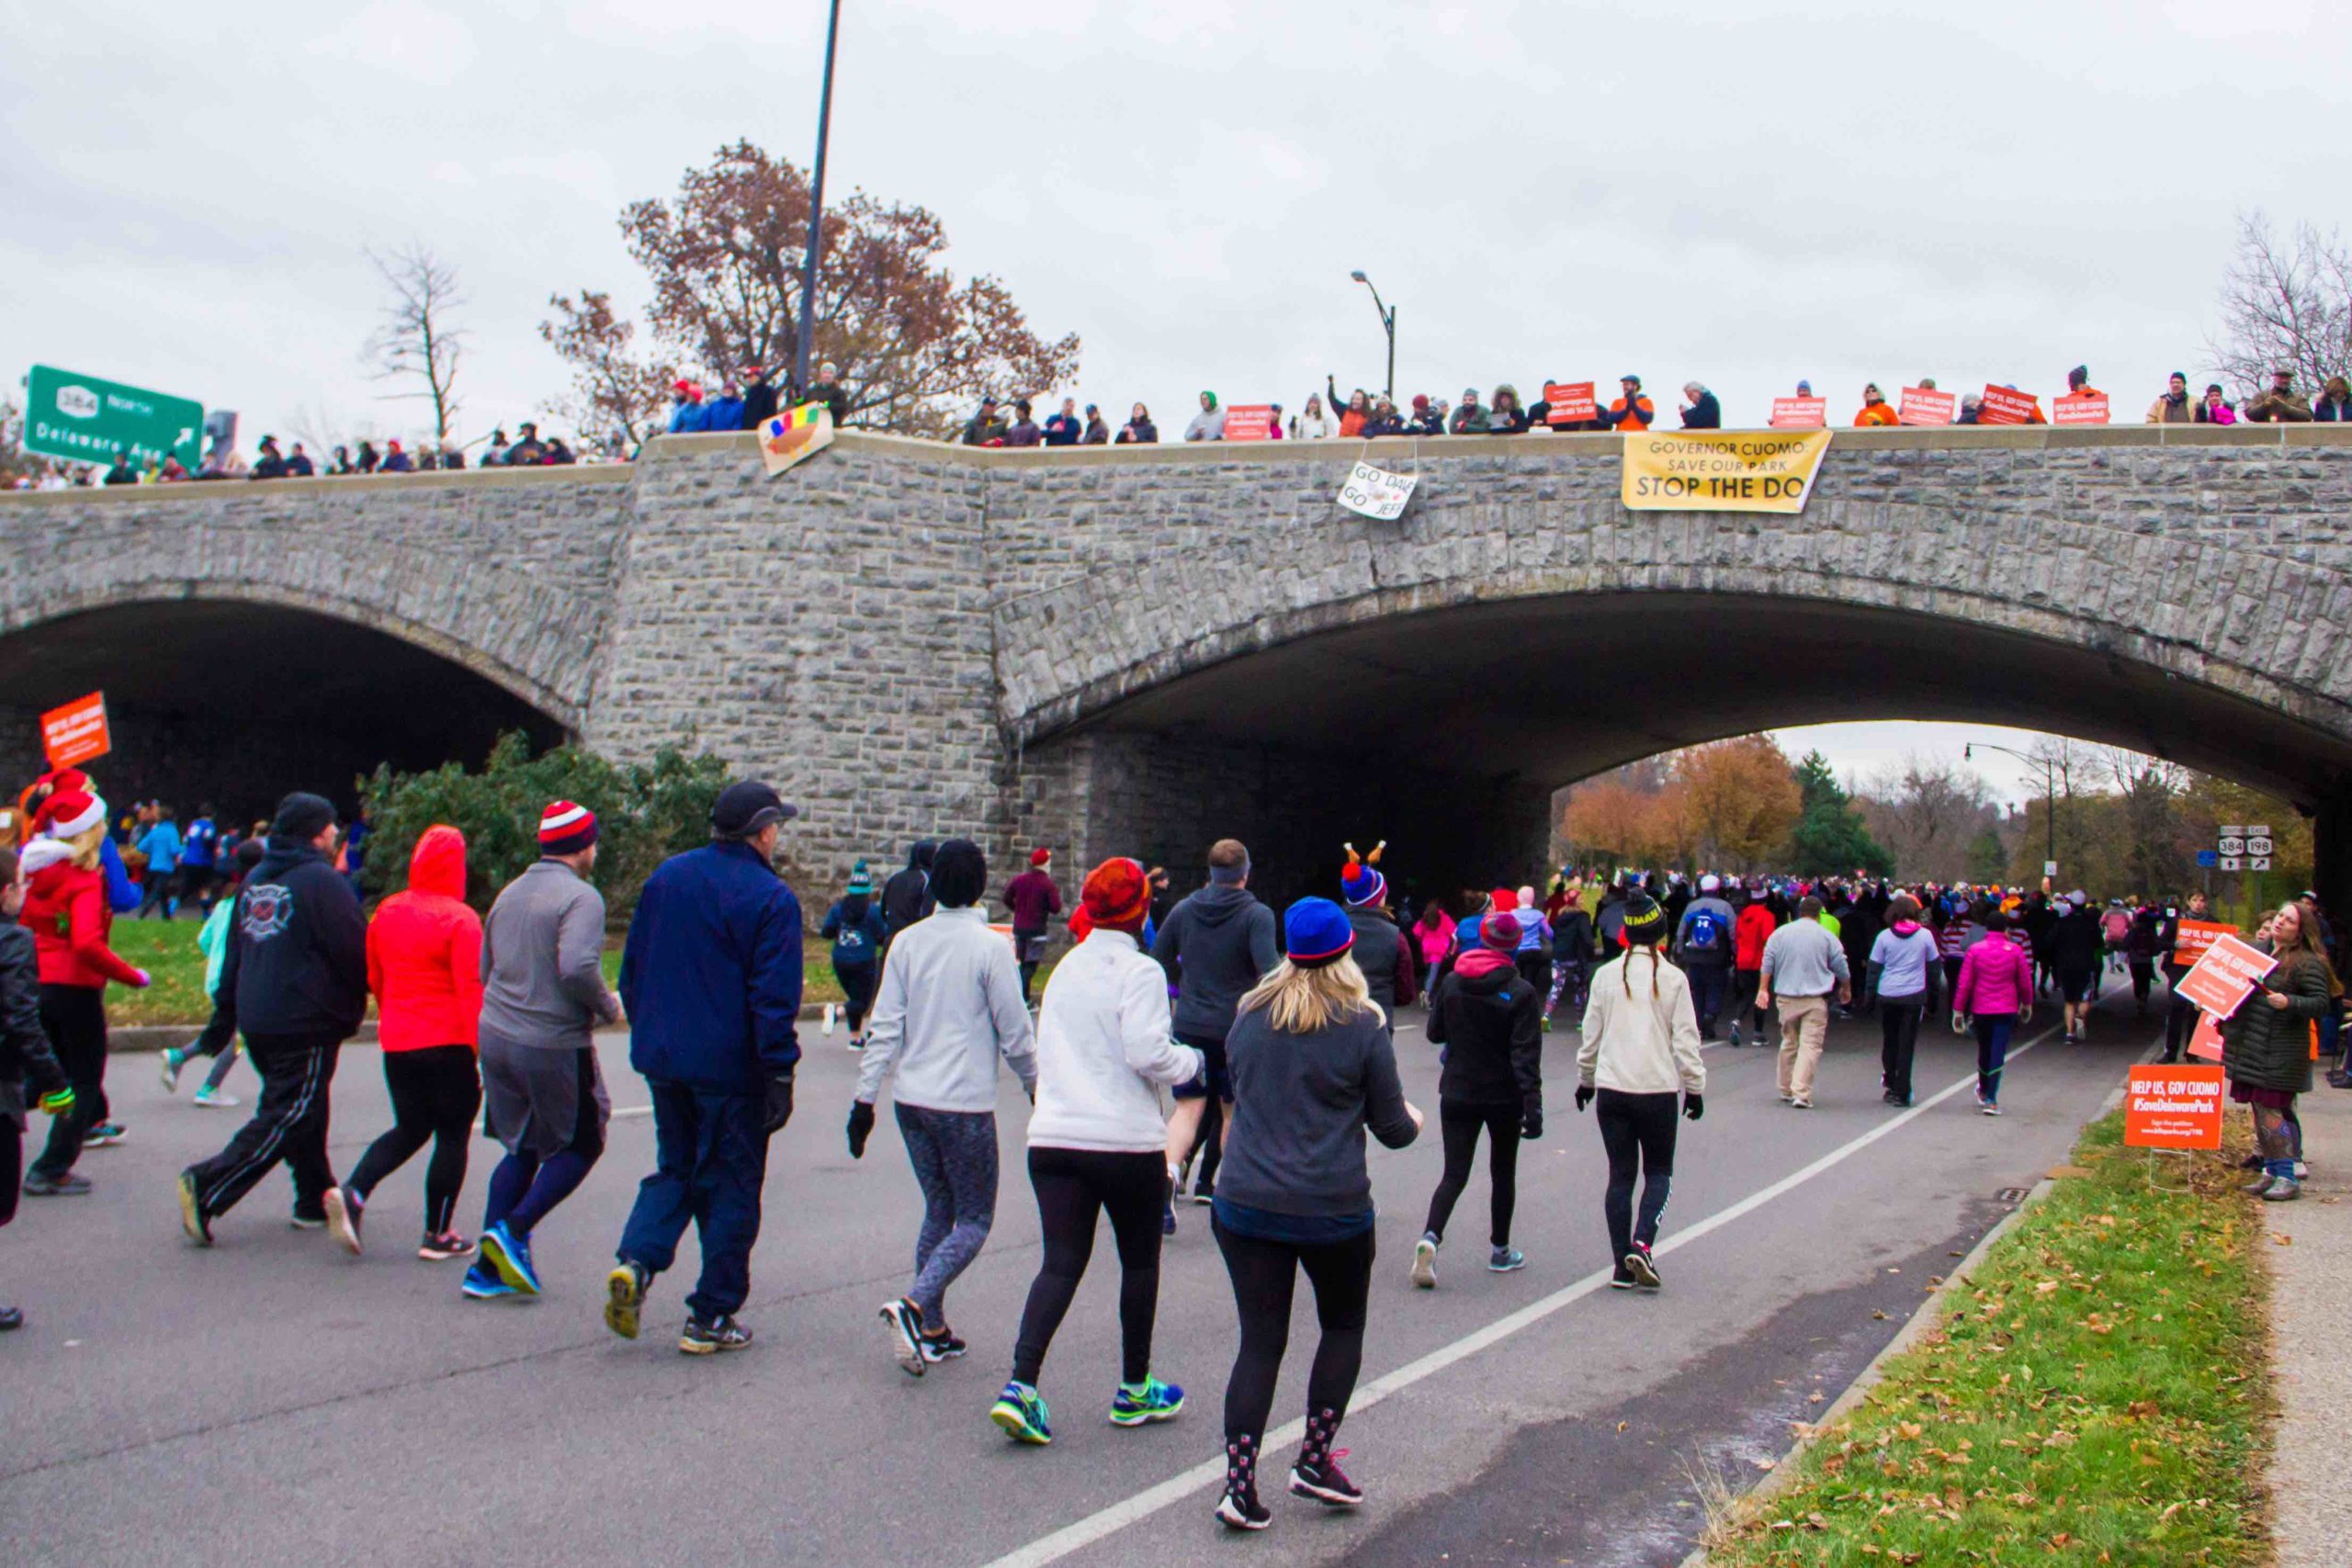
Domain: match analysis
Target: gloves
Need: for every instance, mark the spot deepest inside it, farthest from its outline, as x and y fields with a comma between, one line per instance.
x=144, y=980
x=779, y=1102
x=1584, y=1095
x=1693, y=1107
x=59, y=1101
x=861, y=1127
x=1530, y=1122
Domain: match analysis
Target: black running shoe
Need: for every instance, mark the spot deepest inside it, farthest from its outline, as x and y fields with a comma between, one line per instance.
x=1620, y=1279
x=944, y=1346
x=1242, y=1511
x=1643, y=1267
x=721, y=1332
x=1324, y=1484
x=903, y=1321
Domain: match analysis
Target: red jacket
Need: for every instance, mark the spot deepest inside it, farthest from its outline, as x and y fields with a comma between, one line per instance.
x=65, y=908
x=1749, y=933
x=425, y=952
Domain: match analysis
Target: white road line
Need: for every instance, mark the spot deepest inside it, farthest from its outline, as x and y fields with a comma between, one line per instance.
x=1118, y=1516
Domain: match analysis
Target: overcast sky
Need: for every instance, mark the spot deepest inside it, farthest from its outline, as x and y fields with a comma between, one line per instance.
x=1736, y=192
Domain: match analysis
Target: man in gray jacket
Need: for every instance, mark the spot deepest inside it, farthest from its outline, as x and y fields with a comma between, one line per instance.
x=950, y=1006
x=1215, y=946
x=543, y=994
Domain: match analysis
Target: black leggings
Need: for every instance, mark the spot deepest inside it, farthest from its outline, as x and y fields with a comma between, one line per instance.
x=1635, y=1127
x=1264, y=1274
x=75, y=1020
x=858, y=981
x=435, y=1092
x=1074, y=1187
x=1461, y=1125
x=1898, y=1021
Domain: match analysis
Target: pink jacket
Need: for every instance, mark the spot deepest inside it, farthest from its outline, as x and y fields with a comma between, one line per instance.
x=1995, y=979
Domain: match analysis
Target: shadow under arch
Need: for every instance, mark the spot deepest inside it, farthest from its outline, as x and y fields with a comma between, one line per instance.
x=234, y=694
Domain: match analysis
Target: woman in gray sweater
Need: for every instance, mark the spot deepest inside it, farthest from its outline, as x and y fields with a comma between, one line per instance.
x=1313, y=1070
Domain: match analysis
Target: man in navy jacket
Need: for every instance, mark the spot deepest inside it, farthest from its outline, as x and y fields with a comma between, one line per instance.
x=711, y=978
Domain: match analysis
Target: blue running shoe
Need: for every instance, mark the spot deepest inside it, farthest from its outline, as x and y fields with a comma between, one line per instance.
x=1139, y=1404
x=482, y=1283
x=510, y=1255
x=1503, y=1259
x=1020, y=1411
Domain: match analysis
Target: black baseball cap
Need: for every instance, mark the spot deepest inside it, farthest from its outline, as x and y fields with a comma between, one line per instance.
x=745, y=807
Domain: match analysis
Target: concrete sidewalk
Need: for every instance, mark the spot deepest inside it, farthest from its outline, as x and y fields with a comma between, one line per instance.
x=2312, y=1281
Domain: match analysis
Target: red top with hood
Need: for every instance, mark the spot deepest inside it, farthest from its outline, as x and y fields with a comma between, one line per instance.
x=65, y=908
x=425, y=952
x=1749, y=933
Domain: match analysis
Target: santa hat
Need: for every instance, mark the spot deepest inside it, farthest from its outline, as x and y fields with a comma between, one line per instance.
x=69, y=813
x=1041, y=857
x=42, y=853
x=1360, y=880
x=566, y=829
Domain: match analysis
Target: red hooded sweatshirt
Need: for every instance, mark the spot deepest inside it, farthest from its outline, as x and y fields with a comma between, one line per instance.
x=425, y=952
x=65, y=908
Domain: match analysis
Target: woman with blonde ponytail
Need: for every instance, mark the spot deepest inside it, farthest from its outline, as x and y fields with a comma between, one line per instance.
x=1641, y=1044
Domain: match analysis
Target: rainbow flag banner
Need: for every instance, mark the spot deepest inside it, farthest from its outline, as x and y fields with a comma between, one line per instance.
x=794, y=434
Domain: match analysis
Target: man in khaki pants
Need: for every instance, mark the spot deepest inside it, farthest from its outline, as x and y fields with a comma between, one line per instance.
x=1803, y=964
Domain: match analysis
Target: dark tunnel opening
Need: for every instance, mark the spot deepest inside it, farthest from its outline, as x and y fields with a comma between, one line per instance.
x=233, y=703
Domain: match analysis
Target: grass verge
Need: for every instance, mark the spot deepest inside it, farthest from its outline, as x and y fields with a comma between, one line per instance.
x=2094, y=1395
x=168, y=950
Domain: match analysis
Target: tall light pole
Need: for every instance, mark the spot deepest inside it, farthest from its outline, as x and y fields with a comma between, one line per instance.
x=2048, y=787
x=1387, y=323
x=816, y=216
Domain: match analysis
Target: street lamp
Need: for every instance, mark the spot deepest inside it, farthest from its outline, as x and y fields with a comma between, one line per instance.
x=2049, y=786
x=1387, y=323
x=815, y=217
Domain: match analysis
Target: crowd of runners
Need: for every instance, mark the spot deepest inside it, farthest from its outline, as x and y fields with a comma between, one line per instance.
x=1209, y=1049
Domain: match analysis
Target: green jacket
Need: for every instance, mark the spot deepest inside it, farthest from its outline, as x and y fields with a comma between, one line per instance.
x=2268, y=1047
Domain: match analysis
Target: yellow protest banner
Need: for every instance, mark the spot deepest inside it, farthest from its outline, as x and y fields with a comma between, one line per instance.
x=1721, y=470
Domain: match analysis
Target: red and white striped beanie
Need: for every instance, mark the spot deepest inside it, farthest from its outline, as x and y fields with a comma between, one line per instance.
x=566, y=829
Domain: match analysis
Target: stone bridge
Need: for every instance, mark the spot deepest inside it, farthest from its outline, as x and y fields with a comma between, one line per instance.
x=1139, y=649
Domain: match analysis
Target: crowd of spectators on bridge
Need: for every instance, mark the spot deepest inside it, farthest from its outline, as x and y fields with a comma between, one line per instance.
x=1363, y=414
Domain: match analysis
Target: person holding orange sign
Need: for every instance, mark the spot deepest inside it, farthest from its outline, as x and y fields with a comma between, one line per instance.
x=2266, y=1045
x=1876, y=409
x=2185, y=935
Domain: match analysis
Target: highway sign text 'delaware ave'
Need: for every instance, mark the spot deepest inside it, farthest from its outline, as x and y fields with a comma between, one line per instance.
x=87, y=420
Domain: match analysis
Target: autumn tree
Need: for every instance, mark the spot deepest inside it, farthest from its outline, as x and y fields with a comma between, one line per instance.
x=614, y=390
x=417, y=337
x=2285, y=300
x=1614, y=820
x=915, y=346
x=1740, y=798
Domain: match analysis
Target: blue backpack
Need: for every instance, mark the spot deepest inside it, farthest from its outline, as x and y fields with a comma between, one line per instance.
x=1706, y=934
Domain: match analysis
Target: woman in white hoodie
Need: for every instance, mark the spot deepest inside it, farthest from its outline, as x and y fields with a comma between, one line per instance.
x=1312, y=423
x=1097, y=1145
x=1641, y=1044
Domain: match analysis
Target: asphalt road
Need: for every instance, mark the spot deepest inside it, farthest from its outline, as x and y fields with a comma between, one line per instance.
x=274, y=1401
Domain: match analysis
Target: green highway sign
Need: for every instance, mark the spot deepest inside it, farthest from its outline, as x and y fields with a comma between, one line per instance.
x=86, y=420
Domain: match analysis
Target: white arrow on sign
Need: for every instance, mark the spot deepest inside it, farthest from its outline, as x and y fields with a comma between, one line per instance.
x=2257, y=863
x=2256, y=845
x=2231, y=863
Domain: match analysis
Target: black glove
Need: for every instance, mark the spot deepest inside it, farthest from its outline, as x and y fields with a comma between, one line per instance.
x=1693, y=1107
x=861, y=1127
x=1584, y=1096
x=779, y=1102
x=1530, y=1121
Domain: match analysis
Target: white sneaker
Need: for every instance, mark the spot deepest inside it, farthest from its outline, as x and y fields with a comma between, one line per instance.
x=1800, y=1102
x=1424, y=1273
x=1988, y=1109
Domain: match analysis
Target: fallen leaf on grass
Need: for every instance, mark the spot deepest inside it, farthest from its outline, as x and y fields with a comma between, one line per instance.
x=1908, y=1430
x=2059, y=1172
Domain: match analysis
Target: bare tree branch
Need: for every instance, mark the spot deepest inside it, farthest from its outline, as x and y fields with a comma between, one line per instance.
x=417, y=336
x=2284, y=302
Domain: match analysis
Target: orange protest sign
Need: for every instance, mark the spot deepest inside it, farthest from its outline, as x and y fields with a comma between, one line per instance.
x=1250, y=422
x=76, y=732
x=2079, y=408
x=2195, y=936
x=2005, y=405
x=1800, y=413
x=2225, y=975
x=2205, y=1040
x=1921, y=406
x=1569, y=403
x=2174, y=1107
